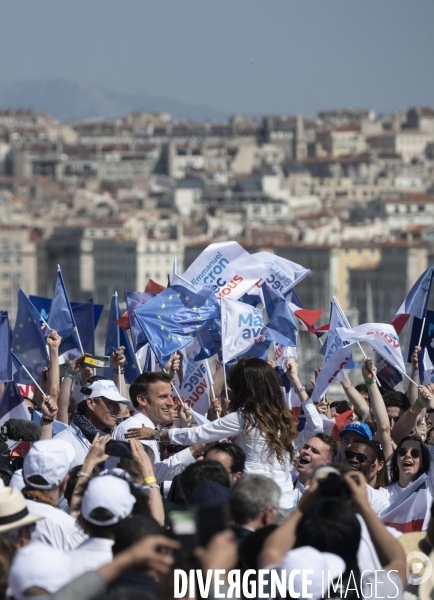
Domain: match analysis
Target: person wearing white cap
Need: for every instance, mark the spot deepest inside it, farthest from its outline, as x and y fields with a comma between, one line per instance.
x=96, y=414
x=106, y=502
x=45, y=473
x=38, y=571
x=16, y=523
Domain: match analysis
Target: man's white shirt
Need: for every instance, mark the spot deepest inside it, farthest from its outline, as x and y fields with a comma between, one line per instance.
x=164, y=469
x=92, y=554
x=57, y=529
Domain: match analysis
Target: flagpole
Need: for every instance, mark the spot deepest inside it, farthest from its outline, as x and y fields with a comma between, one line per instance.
x=410, y=379
x=223, y=314
x=211, y=385
x=425, y=309
x=118, y=343
x=59, y=270
x=375, y=374
x=174, y=388
x=29, y=374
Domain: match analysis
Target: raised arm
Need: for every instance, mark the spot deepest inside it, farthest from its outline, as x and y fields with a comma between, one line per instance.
x=355, y=398
x=378, y=408
x=144, y=465
x=408, y=422
x=389, y=550
x=49, y=413
x=412, y=389
x=53, y=341
x=117, y=360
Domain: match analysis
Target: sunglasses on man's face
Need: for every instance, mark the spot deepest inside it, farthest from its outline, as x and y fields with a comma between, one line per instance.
x=415, y=453
x=359, y=456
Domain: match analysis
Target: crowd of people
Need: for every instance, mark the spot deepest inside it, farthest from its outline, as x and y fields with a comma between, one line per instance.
x=132, y=490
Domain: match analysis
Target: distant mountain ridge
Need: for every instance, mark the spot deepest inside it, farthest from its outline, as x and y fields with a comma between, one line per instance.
x=69, y=100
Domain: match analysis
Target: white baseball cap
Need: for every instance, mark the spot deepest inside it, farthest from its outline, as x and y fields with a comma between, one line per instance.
x=50, y=459
x=326, y=567
x=106, y=388
x=38, y=565
x=111, y=493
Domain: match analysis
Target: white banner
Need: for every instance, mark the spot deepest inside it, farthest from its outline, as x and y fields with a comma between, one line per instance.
x=242, y=328
x=282, y=274
x=196, y=386
x=228, y=267
x=331, y=370
x=382, y=337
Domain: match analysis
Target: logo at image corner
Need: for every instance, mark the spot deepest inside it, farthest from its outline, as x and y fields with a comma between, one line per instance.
x=418, y=568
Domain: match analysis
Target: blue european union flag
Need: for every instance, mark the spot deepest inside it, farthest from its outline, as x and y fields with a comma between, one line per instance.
x=171, y=319
x=5, y=347
x=28, y=342
x=61, y=317
x=134, y=300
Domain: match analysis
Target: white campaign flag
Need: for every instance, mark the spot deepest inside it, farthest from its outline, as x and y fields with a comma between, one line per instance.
x=228, y=267
x=282, y=274
x=382, y=337
x=242, y=328
x=331, y=369
x=196, y=386
x=333, y=342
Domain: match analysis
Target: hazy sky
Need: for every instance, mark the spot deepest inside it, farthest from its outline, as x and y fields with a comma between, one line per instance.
x=246, y=56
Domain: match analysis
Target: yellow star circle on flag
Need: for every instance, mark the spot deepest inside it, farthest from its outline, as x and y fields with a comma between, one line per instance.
x=170, y=297
x=158, y=317
x=194, y=307
x=21, y=325
x=179, y=339
x=187, y=298
x=162, y=328
x=179, y=294
x=169, y=337
x=18, y=347
x=163, y=306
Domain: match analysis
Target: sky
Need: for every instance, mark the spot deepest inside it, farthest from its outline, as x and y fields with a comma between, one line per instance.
x=242, y=56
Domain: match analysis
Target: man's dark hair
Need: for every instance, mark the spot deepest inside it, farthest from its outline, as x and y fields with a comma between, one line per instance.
x=398, y=399
x=72, y=481
x=134, y=529
x=200, y=472
x=236, y=454
x=362, y=388
x=368, y=444
x=330, y=442
x=140, y=385
x=101, y=531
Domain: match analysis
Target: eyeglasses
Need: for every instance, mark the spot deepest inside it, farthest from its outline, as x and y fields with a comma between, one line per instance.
x=415, y=453
x=359, y=456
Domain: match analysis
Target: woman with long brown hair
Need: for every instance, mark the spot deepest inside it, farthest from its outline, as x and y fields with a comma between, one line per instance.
x=258, y=419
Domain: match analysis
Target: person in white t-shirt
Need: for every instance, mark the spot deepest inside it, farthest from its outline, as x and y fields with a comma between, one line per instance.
x=361, y=457
x=45, y=473
x=106, y=502
x=151, y=395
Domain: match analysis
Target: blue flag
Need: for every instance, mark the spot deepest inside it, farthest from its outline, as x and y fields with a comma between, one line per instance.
x=132, y=368
x=282, y=327
x=5, y=347
x=28, y=342
x=12, y=405
x=134, y=300
x=112, y=342
x=43, y=305
x=83, y=316
x=61, y=317
x=171, y=319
